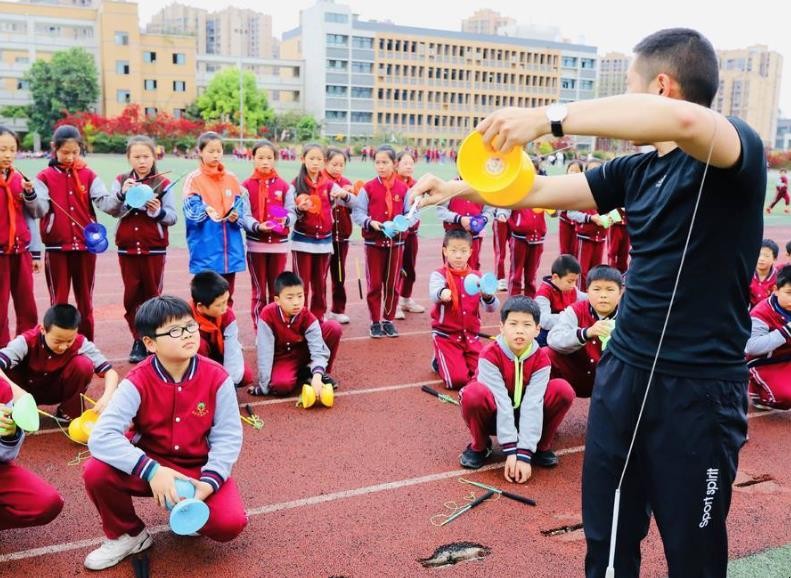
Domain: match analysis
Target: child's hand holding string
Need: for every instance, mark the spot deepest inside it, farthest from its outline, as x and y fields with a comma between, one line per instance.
x=445, y=295
x=7, y=425
x=128, y=183
x=233, y=216
x=153, y=206
x=27, y=186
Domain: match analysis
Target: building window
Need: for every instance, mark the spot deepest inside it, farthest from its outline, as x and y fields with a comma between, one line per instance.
x=337, y=64
x=587, y=63
x=179, y=86
x=362, y=117
x=123, y=96
x=22, y=60
x=22, y=85
x=335, y=90
x=362, y=92
x=179, y=58
x=569, y=62
x=363, y=67
x=336, y=18
x=149, y=57
x=151, y=111
x=150, y=84
x=122, y=67
x=122, y=39
x=178, y=112
x=362, y=42
x=336, y=115
x=337, y=40
x=568, y=83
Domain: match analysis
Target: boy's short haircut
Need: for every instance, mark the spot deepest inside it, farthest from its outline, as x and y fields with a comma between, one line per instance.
x=457, y=235
x=63, y=315
x=520, y=304
x=566, y=264
x=788, y=248
x=287, y=279
x=772, y=246
x=158, y=311
x=206, y=286
x=605, y=273
x=784, y=276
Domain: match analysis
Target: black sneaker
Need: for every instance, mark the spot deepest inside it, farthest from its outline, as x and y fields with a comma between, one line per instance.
x=545, y=459
x=376, y=330
x=473, y=460
x=138, y=353
x=331, y=380
x=389, y=329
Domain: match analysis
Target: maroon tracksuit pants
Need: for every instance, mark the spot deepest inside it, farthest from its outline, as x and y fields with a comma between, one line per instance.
x=590, y=254
x=264, y=269
x=382, y=269
x=409, y=262
x=67, y=269
x=340, y=249
x=62, y=387
x=287, y=370
x=500, y=242
x=525, y=259
x=312, y=269
x=618, y=249
x=26, y=499
x=16, y=281
x=479, y=410
x=111, y=492
x=143, y=276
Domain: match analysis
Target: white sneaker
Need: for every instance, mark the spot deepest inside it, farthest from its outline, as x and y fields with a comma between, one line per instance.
x=412, y=306
x=502, y=285
x=399, y=313
x=111, y=552
x=341, y=318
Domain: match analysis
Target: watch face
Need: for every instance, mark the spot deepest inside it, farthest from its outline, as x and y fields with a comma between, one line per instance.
x=556, y=112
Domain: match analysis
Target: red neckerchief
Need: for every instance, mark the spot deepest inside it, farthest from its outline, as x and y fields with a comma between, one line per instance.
x=210, y=326
x=450, y=273
x=71, y=170
x=6, y=184
x=263, y=191
x=408, y=181
x=388, y=184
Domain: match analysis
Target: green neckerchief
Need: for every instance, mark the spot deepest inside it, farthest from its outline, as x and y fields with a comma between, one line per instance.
x=519, y=376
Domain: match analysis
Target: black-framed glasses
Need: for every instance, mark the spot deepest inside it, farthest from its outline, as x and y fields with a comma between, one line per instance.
x=177, y=332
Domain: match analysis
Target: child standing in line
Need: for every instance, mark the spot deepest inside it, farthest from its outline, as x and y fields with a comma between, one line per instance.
x=456, y=318
x=341, y=231
x=186, y=425
x=380, y=200
x=267, y=230
x=219, y=331
x=405, y=169
x=142, y=234
x=765, y=276
x=19, y=207
x=591, y=237
x=513, y=397
x=26, y=499
x=567, y=234
x=68, y=191
x=311, y=204
x=576, y=340
x=618, y=244
x=214, y=209
x=500, y=236
x=781, y=192
x=56, y=363
x=528, y=229
x=457, y=214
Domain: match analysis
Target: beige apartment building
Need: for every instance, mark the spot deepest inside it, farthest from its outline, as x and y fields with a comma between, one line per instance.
x=486, y=21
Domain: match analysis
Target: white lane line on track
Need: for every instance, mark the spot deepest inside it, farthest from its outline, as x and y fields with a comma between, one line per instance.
x=303, y=502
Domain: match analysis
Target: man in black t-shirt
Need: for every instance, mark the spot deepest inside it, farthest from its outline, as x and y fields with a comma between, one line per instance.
x=705, y=167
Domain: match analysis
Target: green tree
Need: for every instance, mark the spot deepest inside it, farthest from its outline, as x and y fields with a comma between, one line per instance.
x=307, y=128
x=69, y=82
x=14, y=111
x=220, y=102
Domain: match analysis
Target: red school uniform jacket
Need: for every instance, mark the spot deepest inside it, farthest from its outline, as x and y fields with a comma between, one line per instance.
x=378, y=209
x=289, y=334
x=341, y=216
x=760, y=290
x=138, y=233
x=315, y=225
x=28, y=354
x=174, y=419
x=527, y=225
x=463, y=208
x=446, y=319
x=14, y=231
x=589, y=230
x=558, y=300
x=409, y=182
x=266, y=193
x=71, y=190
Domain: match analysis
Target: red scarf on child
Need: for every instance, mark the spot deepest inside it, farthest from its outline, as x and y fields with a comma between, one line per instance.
x=388, y=184
x=450, y=273
x=72, y=169
x=210, y=326
x=5, y=184
x=263, y=191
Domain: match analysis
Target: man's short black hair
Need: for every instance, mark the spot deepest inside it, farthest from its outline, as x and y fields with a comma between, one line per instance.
x=687, y=56
x=457, y=235
x=566, y=264
x=63, y=315
x=285, y=280
x=772, y=246
x=158, y=311
x=520, y=304
x=604, y=273
x=206, y=286
x=784, y=276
